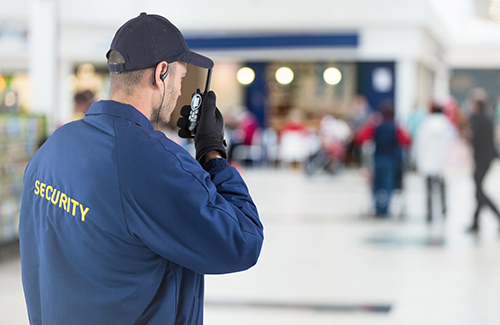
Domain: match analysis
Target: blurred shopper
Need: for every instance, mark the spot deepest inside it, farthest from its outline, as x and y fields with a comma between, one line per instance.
x=294, y=139
x=454, y=113
x=390, y=140
x=334, y=135
x=413, y=123
x=118, y=223
x=83, y=100
x=432, y=142
x=473, y=96
x=484, y=153
x=415, y=119
x=243, y=132
x=360, y=112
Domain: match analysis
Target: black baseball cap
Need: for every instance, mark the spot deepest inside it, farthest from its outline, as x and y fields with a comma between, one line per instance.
x=146, y=40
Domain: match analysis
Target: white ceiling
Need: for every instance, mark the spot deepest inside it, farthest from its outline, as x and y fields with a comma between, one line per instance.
x=468, y=22
x=463, y=27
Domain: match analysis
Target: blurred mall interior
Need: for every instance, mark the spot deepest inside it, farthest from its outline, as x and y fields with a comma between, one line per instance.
x=295, y=82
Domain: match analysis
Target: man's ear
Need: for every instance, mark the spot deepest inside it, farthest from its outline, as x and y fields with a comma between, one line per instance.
x=163, y=68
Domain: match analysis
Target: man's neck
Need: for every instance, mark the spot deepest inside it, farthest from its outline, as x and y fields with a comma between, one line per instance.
x=140, y=102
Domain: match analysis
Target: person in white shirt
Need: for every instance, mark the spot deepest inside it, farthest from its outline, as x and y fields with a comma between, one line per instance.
x=433, y=139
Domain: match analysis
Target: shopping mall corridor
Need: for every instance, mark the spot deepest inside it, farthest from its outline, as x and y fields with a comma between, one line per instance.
x=325, y=260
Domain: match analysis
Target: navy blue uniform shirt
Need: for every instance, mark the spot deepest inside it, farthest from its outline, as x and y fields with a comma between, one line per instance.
x=118, y=224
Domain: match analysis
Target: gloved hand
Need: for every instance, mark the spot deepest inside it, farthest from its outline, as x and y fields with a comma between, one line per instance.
x=210, y=132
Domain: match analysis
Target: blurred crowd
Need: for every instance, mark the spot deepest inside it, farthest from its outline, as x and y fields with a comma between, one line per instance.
x=436, y=140
x=332, y=142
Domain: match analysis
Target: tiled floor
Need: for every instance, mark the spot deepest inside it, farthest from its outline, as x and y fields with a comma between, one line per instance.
x=325, y=261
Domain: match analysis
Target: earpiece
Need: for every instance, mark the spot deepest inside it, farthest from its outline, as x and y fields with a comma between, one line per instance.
x=162, y=77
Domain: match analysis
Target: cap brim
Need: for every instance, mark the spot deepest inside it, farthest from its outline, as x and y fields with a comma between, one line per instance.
x=197, y=60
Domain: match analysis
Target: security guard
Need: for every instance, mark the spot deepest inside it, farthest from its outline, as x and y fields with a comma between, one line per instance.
x=118, y=223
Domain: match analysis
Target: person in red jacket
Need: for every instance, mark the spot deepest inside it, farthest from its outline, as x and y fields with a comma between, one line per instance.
x=389, y=139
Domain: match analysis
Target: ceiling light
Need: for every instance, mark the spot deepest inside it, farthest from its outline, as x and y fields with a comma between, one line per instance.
x=332, y=76
x=245, y=76
x=284, y=75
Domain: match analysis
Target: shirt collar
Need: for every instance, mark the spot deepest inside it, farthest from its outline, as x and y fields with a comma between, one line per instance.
x=129, y=112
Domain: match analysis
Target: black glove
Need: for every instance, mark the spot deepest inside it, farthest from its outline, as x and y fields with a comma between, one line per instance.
x=210, y=132
x=183, y=122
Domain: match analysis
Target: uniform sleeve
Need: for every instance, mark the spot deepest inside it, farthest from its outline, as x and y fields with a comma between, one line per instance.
x=204, y=221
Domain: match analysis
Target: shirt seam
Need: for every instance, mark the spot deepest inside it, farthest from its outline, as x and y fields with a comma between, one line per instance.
x=120, y=186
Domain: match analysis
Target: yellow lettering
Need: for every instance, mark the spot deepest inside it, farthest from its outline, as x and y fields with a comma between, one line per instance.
x=54, y=202
x=42, y=189
x=37, y=188
x=47, y=195
x=75, y=204
x=59, y=198
x=83, y=212
x=63, y=200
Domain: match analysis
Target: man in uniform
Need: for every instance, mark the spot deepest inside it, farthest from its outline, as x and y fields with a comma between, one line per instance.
x=118, y=223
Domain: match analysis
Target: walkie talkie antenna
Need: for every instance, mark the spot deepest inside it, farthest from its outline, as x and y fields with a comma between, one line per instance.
x=207, y=84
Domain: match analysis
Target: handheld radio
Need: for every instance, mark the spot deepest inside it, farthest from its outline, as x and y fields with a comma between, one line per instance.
x=196, y=101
